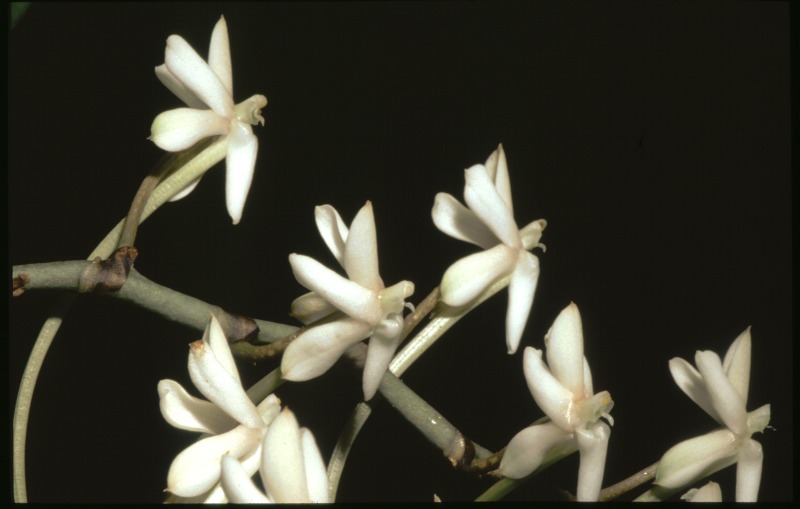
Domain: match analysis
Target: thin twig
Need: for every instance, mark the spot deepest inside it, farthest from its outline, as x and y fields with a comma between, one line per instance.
x=628, y=484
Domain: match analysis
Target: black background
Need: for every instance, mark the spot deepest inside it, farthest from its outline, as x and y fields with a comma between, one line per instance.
x=653, y=137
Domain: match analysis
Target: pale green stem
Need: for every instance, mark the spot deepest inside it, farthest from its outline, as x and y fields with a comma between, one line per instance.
x=191, y=171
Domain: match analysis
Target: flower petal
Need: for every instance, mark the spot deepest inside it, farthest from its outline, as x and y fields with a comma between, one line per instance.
x=482, y=197
x=282, y=461
x=564, y=343
x=186, y=65
x=497, y=168
x=469, y=277
x=592, y=445
x=382, y=345
x=348, y=296
x=531, y=234
x=214, y=336
x=318, y=348
x=214, y=381
x=711, y=492
x=184, y=411
x=553, y=398
x=737, y=364
x=240, y=164
x=181, y=128
x=520, y=298
x=197, y=468
x=238, y=486
x=332, y=229
x=696, y=458
x=316, y=474
x=529, y=447
x=691, y=383
x=361, y=250
x=310, y=307
x=219, y=55
x=724, y=398
x=748, y=471
x=456, y=220
x=176, y=87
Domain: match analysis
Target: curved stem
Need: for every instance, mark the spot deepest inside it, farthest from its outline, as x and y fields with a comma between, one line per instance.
x=190, y=172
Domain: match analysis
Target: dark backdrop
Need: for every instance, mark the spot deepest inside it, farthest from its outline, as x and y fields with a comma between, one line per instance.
x=654, y=138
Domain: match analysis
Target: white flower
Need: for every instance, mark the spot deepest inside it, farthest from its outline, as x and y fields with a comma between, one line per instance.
x=370, y=309
x=564, y=392
x=489, y=224
x=202, y=86
x=292, y=469
x=711, y=492
x=720, y=388
x=235, y=424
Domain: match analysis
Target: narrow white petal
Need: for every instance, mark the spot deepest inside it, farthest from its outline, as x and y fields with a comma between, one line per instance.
x=696, y=458
x=183, y=193
x=214, y=336
x=482, y=197
x=219, y=55
x=348, y=296
x=361, y=250
x=316, y=474
x=469, y=277
x=588, y=389
x=238, y=486
x=197, y=468
x=553, y=398
x=177, y=88
x=531, y=234
x=215, y=383
x=240, y=164
x=310, y=307
x=691, y=383
x=748, y=471
x=711, y=492
x=317, y=349
x=724, y=398
x=186, y=65
x=592, y=445
x=282, y=461
x=737, y=364
x=382, y=345
x=520, y=298
x=332, y=229
x=529, y=447
x=497, y=167
x=184, y=411
x=456, y=220
x=564, y=343
x=181, y=128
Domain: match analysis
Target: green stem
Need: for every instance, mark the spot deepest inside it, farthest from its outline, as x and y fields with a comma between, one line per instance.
x=190, y=172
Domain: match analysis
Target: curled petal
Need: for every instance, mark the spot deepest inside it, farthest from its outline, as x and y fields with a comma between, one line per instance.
x=724, y=398
x=696, y=458
x=318, y=348
x=215, y=383
x=456, y=220
x=520, y=298
x=553, y=398
x=282, y=461
x=382, y=345
x=238, y=486
x=531, y=234
x=178, y=88
x=748, y=471
x=497, y=168
x=348, y=296
x=181, y=128
x=316, y=475
x=197, y=468
x=186, y=65
x=482, y=197
x=219, y=55
x=240, y=164
x=592, y=445
x=361, y=250
x=691, y=383
x=711, y=492
x=184, y=411
x=332, y=229
x=311, y=307
x=737, y=364
x=758, y=419
x=564, y=342
x=529, y=448
x=469, y=277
